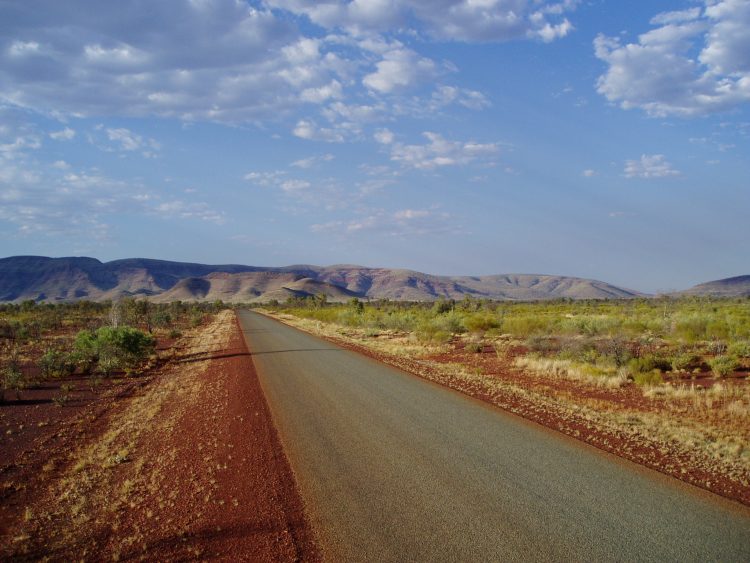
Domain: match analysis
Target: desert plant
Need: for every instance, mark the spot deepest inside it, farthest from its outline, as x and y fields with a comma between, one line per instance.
x=648, y=363
x=740, y=349
x=56, y=363
x=684, y=361
x=648, y=378
x=722, y=366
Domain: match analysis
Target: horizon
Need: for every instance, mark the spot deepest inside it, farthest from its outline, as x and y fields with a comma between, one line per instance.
x=598, y=140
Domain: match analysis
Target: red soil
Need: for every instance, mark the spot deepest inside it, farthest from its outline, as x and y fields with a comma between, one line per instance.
x=213, y=483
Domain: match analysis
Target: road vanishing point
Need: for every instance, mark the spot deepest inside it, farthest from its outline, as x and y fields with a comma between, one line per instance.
x=395, y=468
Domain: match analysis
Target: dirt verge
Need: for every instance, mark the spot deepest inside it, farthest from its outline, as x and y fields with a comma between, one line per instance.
x=186, y=465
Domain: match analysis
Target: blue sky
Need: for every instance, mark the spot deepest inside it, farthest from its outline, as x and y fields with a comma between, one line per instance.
x=600, y=139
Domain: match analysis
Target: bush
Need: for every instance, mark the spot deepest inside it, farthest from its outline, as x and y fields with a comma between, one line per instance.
x=112, y=348
x=648, y=364
x=648, y=378
x=480, y=322
x=13, y=378
x=684, y=361
x=85, y=351
x=722, y=366
x=56, y=363
x=740, y=349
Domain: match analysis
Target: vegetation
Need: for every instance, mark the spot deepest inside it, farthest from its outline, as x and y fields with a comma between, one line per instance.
x=644, y=337
x=41, y=342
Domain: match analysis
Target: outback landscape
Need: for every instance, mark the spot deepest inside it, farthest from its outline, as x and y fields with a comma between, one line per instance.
x=103, y=401
x=374, y=280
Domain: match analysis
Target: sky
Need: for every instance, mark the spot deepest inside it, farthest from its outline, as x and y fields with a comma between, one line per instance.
x=599, y=139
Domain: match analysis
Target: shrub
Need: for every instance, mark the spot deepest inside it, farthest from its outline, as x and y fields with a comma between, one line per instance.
x=56, y=363
x=684, y=361
x=13, y=378
x=480, y=322
x=722, y=366
x=740, y=349
x=112, y=348
x=648, y=378
x=648, y=364
x=85, y=351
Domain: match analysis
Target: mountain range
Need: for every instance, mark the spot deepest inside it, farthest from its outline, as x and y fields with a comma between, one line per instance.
x=75, y=278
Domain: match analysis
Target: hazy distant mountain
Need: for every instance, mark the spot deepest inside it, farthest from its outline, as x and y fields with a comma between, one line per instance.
x=69, y=279
x=729, y=287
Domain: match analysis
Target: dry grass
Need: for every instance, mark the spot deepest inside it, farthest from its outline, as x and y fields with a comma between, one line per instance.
x=599, y=377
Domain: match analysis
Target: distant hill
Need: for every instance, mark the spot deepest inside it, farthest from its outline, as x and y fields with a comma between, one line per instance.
x=70, y=279
x=738, y=286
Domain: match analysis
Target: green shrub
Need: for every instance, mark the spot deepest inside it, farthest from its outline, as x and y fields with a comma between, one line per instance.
x=85, y=351
x=648, y=378
x=13, y=378
x=648, y=364
x=480, y=322
x=722, y=366
x=740, y=349
x=56, y=363
x=109, y=348
x=684, y=361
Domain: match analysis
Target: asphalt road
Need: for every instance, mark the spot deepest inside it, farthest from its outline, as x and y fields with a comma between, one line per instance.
x=394, y=468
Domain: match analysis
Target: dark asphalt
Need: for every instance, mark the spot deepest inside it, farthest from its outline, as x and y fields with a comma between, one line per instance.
x=394, y=468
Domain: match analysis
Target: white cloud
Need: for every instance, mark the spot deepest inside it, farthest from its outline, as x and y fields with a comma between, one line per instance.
x=589, y=173
x=65, y=135
x=321, y=94
x=308, y=129
x=311, y=161
x=265, y=179
x=660, y=72
x=294, y=185
x=400, y=223
x=89, y=59
x=128, y=141
x=398, y=70
x=649, y=166
x=58, y=201
x=186, y=210
x=457, y=20
x=439, y=152
x=384, y=136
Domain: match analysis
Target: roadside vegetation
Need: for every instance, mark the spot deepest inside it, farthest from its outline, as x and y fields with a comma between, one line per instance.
x=661, y=381
x=643, y=341
x=43, y=344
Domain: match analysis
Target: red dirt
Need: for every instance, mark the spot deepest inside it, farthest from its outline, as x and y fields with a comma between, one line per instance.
x=207, y=478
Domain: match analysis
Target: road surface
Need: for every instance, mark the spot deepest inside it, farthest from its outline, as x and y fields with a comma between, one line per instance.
x=395, y=468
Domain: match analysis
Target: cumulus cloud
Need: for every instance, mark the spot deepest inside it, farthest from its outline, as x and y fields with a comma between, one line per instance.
x=661, y=74
x=384, y=136
x=278, y=179
x=126, y=140
x=650, y=166
x=308, y=129
x=439, y=152
x=66, y=134
x=90, y=58
x=398, y=70
x=456, y=20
